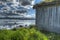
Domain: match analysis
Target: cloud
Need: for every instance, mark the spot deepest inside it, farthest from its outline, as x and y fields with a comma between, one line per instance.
x=21, y=4
x=24, y=3
x=27, y=3
x=30, y=16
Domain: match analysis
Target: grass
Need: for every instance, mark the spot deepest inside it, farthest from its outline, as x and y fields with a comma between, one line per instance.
x=51, y=35
x=28, y=34
x=22, y=34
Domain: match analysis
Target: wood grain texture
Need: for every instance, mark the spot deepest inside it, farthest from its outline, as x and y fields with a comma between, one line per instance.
x=48, y=18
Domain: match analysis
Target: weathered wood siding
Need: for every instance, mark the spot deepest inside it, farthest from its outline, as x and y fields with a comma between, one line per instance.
x=48, y=18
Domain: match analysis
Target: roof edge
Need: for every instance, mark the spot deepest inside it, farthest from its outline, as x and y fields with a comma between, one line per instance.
x=46, y=4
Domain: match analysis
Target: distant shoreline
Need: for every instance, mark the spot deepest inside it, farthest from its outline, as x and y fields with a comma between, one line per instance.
x=19, y=18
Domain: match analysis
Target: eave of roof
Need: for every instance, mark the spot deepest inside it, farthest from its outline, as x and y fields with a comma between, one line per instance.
x=46, y=4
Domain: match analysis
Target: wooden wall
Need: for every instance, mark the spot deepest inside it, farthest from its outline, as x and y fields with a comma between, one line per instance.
x=48, y=18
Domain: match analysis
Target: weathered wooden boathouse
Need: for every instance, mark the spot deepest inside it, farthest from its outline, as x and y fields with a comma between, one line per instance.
x=48, y=16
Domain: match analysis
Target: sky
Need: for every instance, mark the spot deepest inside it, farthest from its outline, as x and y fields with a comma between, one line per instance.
x=37, y=1
x=27, y=5
x=32, y=11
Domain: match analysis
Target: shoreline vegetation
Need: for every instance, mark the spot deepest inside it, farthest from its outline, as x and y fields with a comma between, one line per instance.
x=22, y=33
x=31, y=33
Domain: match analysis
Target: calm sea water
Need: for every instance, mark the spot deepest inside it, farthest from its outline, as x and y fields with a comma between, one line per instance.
x=10, y=23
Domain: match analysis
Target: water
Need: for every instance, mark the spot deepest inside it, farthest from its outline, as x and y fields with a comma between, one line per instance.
x=11, y=23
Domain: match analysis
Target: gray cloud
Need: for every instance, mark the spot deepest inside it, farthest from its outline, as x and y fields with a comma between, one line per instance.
x=26, y=2
x=23, y=3
x=20, y=4
x=21, y=11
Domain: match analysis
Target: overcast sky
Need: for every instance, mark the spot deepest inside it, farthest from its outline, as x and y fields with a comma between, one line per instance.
x=24, y=4
x=28, y=4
